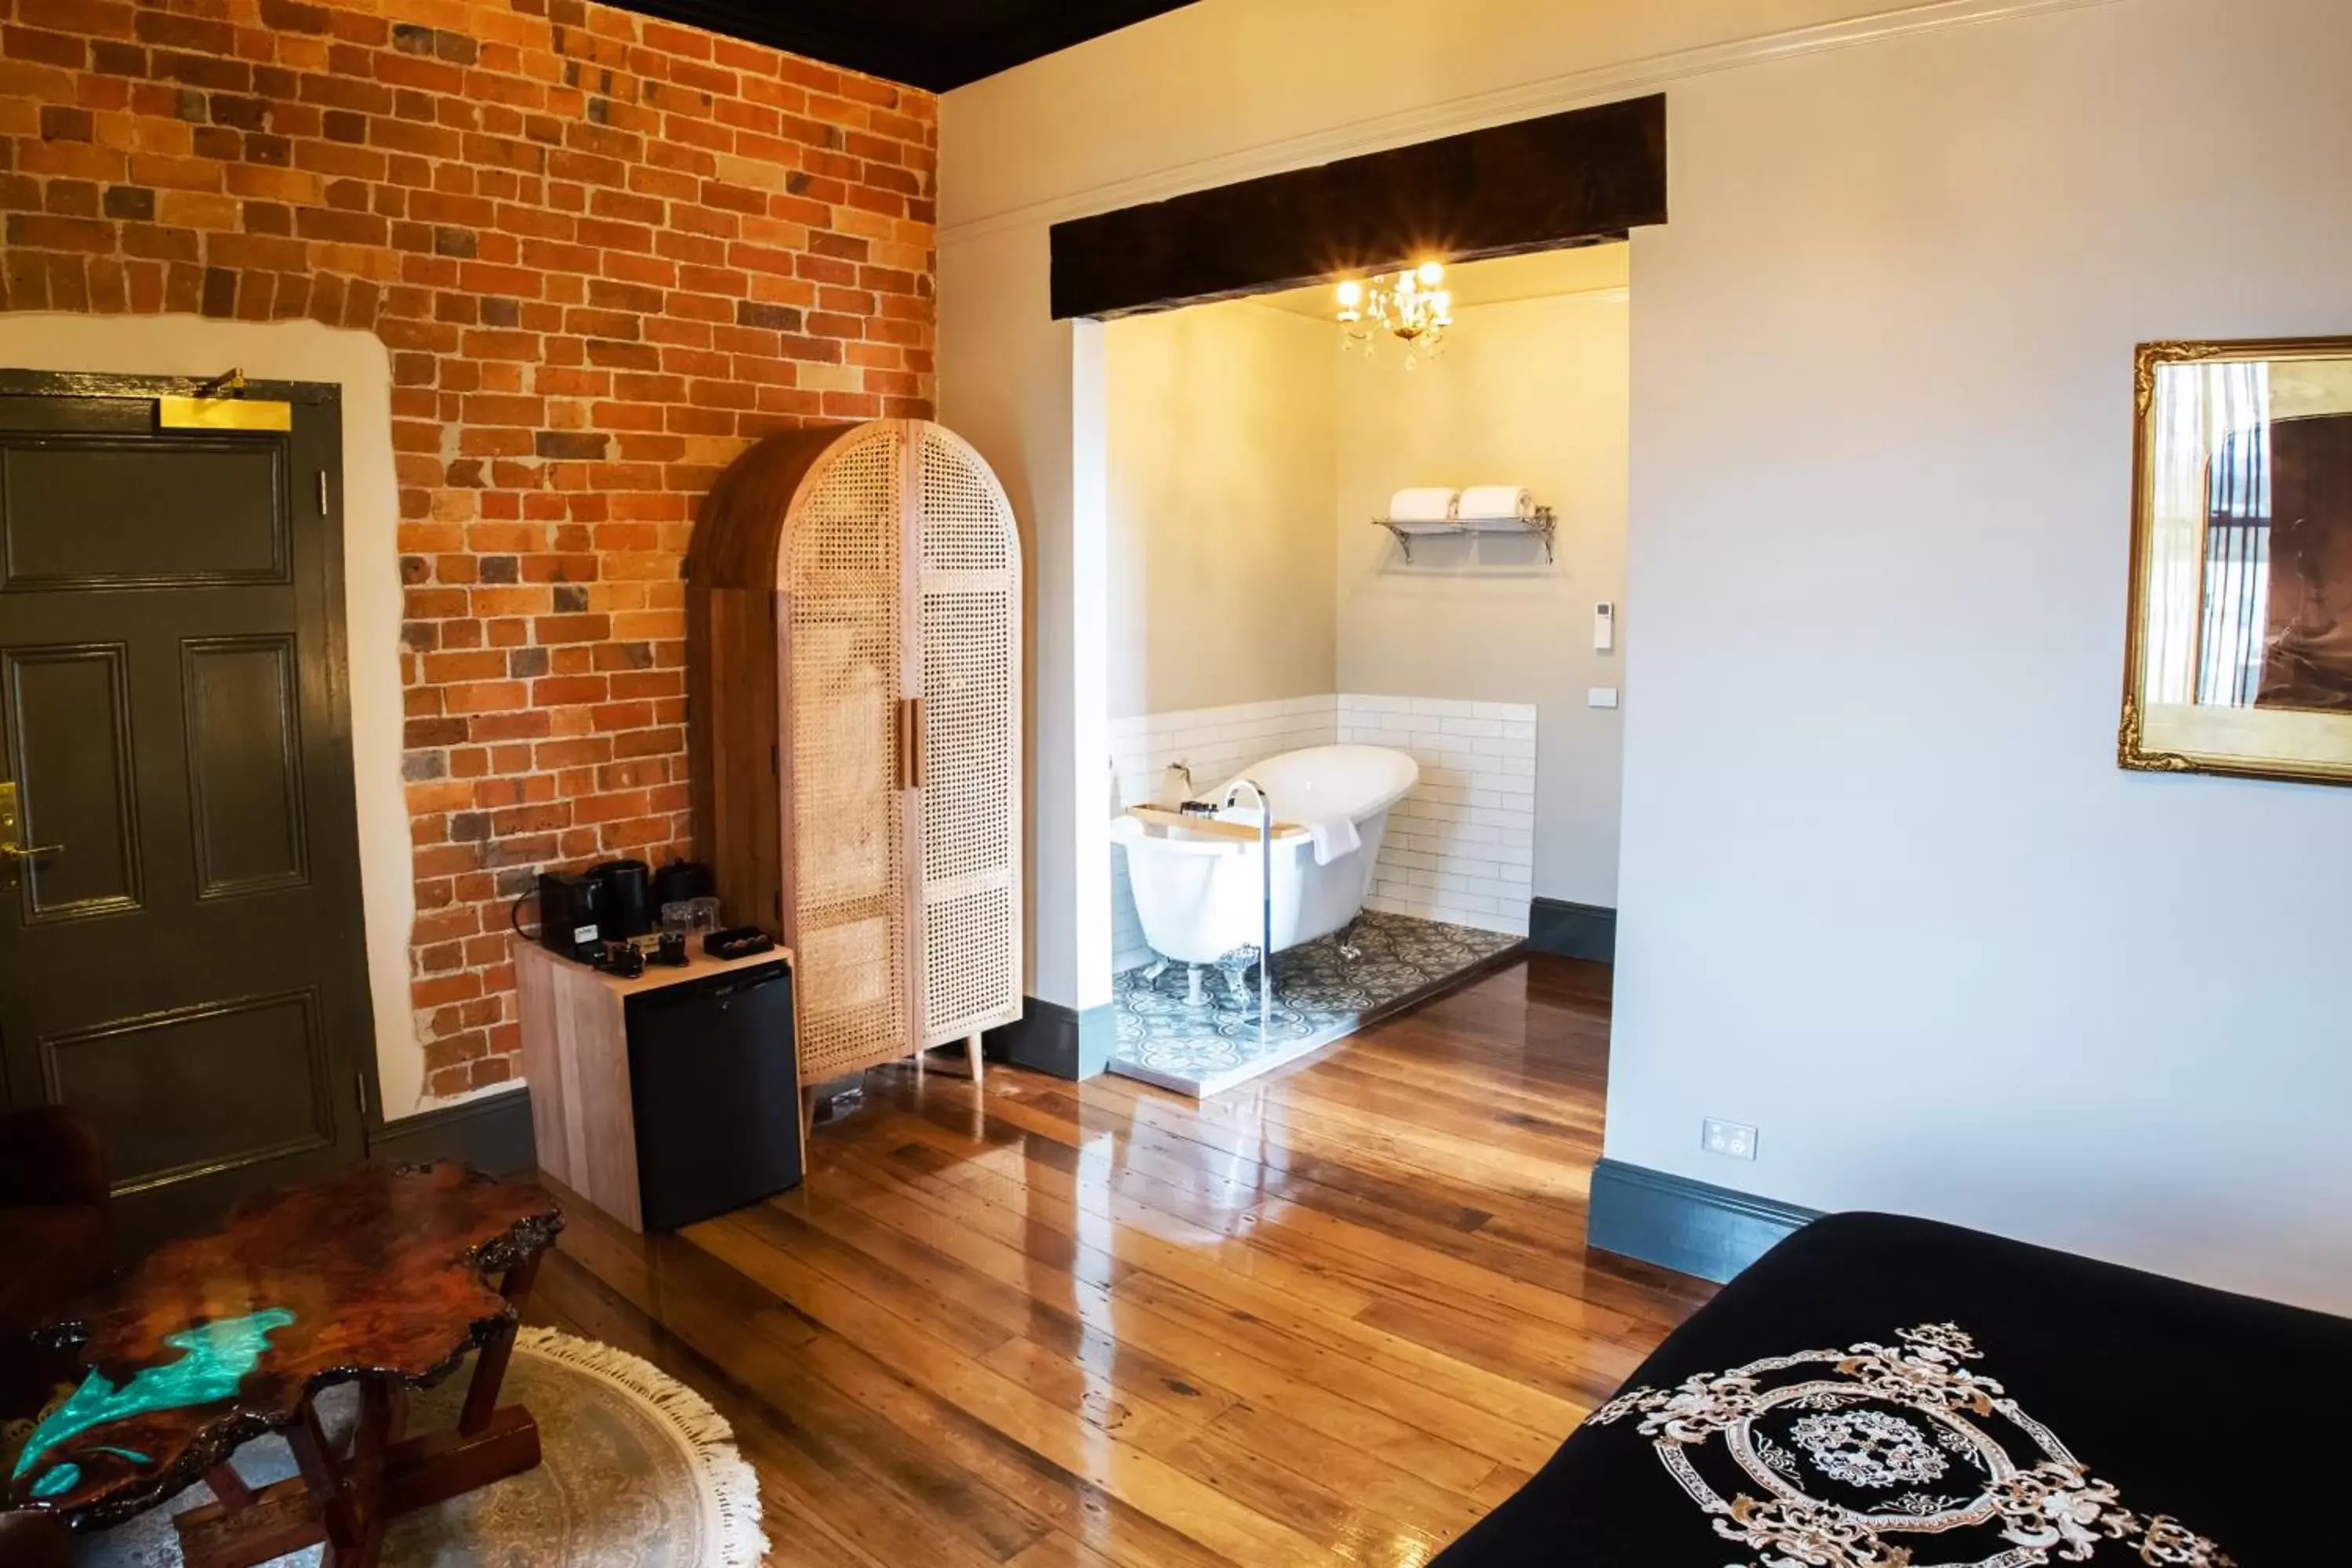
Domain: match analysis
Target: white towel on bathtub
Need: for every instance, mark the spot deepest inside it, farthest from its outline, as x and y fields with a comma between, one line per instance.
x=1334, y=837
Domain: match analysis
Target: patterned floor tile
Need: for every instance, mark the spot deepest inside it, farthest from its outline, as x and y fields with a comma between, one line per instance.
x=1319, y=994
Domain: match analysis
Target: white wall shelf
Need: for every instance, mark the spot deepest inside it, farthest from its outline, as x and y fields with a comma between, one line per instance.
x=1543, y=524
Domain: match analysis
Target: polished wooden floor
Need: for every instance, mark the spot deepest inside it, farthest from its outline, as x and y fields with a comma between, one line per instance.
x=1332, y=1316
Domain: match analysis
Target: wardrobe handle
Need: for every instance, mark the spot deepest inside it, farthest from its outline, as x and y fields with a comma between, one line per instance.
x=910, y=742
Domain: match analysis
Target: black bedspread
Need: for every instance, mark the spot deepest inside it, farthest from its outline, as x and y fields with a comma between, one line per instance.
x=1876, y=1385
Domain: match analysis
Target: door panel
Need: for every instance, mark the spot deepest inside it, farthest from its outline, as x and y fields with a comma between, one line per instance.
x=223, y=524
x=205, y=1089
x=70, y=755
x=188, y=965
x=245, y=764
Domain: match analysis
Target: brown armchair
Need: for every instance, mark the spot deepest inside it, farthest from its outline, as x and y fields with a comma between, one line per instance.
x=34, y=1540
x=56, y=1235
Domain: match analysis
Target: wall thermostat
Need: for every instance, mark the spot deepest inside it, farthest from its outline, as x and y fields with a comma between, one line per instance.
x=1604, y=625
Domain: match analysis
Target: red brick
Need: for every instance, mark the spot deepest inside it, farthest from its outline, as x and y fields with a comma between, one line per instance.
x=571, y=297
x=91, y=18
x=39, y=231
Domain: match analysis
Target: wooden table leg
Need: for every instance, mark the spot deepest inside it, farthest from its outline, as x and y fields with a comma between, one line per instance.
x=229, y=1487
x=344, y=1501
x=323, y=1475
x=490, y=1367
x=362, y=1480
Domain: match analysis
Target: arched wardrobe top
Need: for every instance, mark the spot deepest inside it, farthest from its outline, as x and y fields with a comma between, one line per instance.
x=854, y=638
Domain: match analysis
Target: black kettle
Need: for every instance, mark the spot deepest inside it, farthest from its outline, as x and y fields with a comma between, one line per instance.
x=623, y=897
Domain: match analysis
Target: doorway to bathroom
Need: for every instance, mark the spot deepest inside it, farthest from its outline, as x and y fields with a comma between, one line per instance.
x=1383, y=584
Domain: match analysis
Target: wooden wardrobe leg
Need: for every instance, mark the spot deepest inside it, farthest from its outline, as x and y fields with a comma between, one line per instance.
x=971, y=1054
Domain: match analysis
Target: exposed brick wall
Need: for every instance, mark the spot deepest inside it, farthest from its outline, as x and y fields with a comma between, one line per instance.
x=605, y=253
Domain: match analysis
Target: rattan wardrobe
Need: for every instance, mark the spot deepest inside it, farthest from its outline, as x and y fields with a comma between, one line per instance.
x=854, y=638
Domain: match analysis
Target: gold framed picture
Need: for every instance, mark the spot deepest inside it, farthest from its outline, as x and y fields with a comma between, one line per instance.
x=2238, y=656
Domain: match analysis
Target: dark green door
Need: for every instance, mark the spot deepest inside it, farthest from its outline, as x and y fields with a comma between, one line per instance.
x=181, y=947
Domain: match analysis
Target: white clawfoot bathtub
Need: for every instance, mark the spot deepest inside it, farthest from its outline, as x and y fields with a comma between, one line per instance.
x=1200, y=898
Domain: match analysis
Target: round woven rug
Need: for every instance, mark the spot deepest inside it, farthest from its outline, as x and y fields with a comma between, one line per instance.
x=638, y=1470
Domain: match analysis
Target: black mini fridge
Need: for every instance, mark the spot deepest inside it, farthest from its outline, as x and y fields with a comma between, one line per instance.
x=715, y=1081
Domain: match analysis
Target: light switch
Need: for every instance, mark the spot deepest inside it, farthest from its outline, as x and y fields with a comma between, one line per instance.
x=1601, y=697
x=1604, y=625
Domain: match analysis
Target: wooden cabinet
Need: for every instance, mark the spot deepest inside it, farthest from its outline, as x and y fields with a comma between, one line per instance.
x=854, y=634
x=643, y=1120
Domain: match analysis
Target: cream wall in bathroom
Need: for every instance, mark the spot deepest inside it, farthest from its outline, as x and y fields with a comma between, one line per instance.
x=1532, y=392
x=1220, y=474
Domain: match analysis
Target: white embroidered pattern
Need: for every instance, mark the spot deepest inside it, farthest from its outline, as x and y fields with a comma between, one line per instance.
x=1881, y=1414
x=1868, y=1449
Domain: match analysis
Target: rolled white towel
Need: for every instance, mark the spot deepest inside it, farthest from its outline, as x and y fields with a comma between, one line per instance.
x=1334, y=837
x=1428, y=503
x=1488, y=501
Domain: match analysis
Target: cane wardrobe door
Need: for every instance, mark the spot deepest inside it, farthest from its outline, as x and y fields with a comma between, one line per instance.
x=843, y=640
x=968, y=739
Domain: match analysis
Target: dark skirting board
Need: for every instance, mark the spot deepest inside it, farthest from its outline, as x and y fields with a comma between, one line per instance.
x=1691, y=1228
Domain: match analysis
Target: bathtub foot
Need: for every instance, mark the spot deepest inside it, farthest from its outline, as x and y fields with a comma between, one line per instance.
x=1345, y=941
x=1154, y=970
x=1235, y=967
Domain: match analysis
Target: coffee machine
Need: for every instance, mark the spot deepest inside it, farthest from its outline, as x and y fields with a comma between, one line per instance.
x=572, y=916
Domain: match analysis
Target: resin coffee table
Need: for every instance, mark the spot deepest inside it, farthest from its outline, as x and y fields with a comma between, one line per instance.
x=379, y=1277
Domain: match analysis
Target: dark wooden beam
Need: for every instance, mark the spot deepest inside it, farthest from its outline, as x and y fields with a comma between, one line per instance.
x=1576, y=178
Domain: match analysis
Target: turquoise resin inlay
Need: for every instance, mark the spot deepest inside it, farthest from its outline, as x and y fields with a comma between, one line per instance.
x=219, y=1355
x=62, y=1479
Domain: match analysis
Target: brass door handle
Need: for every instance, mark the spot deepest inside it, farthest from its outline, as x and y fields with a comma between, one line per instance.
x=30, y=851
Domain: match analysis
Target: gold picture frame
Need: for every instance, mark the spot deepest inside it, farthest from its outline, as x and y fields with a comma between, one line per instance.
x=2238, y=653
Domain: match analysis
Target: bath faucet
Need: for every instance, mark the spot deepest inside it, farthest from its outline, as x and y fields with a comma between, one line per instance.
x=1266, y=907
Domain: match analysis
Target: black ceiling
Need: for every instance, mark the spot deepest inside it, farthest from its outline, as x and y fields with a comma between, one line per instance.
x=937, y=44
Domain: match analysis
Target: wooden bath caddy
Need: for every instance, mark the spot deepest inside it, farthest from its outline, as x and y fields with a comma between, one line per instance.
x=1208, y=827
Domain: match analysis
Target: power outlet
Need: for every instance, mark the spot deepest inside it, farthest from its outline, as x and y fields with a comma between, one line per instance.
x=1732, y=1140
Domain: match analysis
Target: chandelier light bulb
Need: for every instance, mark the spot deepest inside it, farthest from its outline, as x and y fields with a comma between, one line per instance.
x=1409, y=306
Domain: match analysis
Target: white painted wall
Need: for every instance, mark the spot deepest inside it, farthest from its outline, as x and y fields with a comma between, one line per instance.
x=1531, y=392
x=1883, y=892
x=1027, y=392
x=1120, y=120
x=358, y=363
x=1886, y=895
x=1223, y=90
x=1223, y=439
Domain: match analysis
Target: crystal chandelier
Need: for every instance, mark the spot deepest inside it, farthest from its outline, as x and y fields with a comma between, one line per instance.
x=1412, y=307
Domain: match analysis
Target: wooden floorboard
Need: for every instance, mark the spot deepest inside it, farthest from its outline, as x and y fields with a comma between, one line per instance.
x=1331, y=1317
